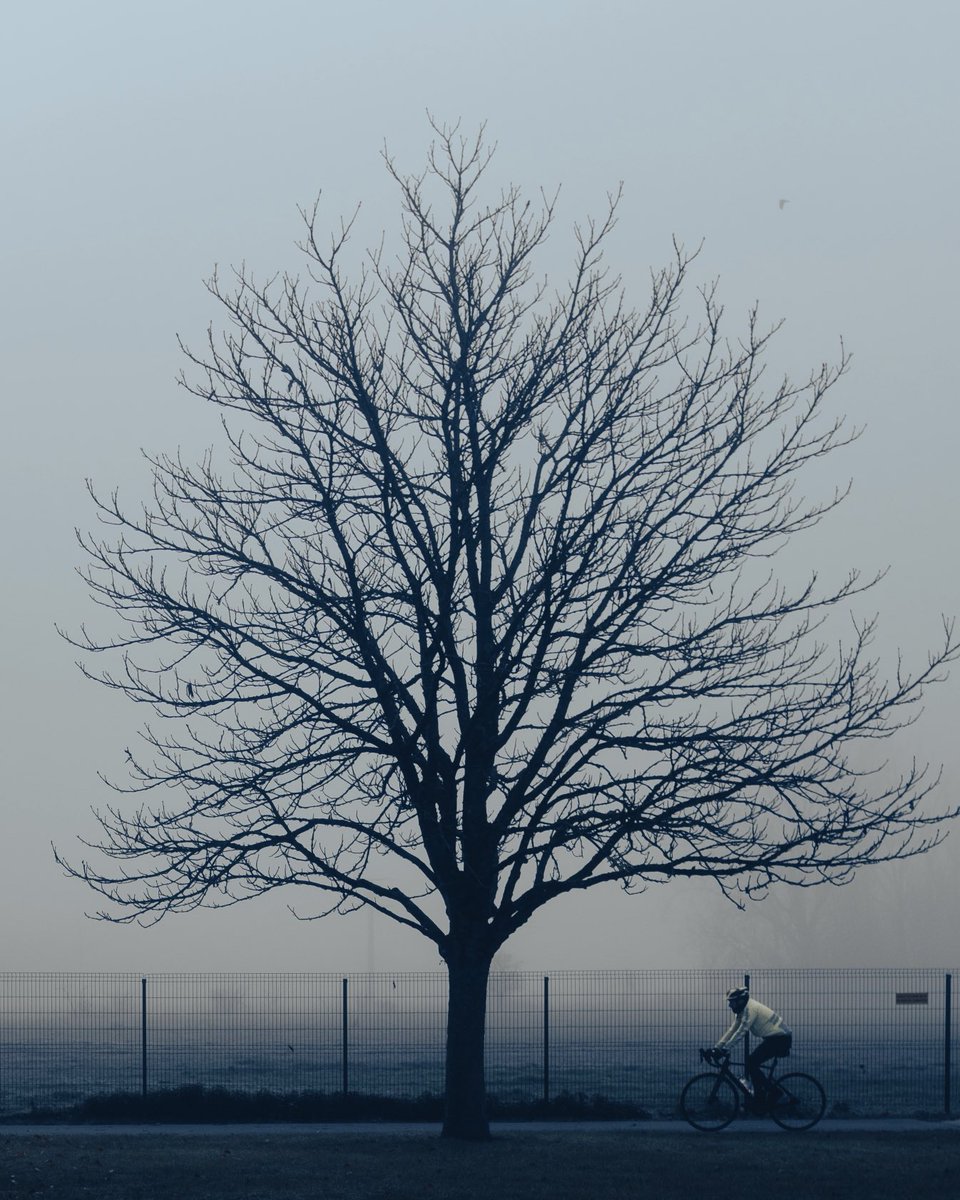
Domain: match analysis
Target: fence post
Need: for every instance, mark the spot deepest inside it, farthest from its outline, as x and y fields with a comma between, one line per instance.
x=546, y=1039
x=746, y=1036
x=947, y=1018
x=143, y=1035
x=343, y=1044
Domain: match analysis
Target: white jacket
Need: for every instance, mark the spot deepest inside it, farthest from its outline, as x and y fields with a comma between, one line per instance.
x=755, y=1019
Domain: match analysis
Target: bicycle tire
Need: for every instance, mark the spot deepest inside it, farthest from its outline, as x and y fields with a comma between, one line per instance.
x=709, y=1102
x=803, y=1104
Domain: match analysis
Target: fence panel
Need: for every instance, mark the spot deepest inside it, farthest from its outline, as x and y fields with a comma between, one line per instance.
x=952, y=1080
x=396, y=1029
x=514, y=1042
x=273, y=1032
x=64, y=1037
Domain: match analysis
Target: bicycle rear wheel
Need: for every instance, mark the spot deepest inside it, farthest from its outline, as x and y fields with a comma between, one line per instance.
x=801, y=1102
x=709, y=1102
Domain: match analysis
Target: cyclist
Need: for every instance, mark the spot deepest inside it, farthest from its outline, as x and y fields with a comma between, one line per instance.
x=750, y=1016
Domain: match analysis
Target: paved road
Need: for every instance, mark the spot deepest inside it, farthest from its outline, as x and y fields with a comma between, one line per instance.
x=400, y=1129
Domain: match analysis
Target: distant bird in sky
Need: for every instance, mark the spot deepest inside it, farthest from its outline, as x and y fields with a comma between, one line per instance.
x=783, y=204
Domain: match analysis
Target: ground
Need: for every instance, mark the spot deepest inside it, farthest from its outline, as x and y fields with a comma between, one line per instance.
x=515, y=1166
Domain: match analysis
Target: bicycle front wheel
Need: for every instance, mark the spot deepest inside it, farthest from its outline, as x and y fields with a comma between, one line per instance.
x=801, y=1102
x=709, y=1102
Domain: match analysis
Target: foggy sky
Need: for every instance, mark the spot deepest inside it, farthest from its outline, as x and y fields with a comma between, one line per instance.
x=142, y=144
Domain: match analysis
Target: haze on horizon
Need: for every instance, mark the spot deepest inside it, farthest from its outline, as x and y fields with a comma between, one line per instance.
x=144, y=147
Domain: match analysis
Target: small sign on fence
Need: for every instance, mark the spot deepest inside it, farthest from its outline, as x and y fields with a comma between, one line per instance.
x=913, y=997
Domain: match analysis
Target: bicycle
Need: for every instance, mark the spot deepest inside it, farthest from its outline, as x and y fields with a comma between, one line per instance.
x=712, y=1100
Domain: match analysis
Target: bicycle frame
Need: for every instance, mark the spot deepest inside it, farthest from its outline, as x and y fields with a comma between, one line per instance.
x=766, y=1069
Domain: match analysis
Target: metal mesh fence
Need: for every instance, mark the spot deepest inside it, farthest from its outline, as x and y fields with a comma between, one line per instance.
x=66, y=1036
x=243, y=1032
x=881, y=1041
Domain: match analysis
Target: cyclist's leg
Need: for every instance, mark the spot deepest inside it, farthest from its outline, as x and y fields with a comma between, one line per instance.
x=771, y=1047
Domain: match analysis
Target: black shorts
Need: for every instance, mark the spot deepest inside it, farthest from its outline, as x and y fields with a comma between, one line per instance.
x=776, y=1046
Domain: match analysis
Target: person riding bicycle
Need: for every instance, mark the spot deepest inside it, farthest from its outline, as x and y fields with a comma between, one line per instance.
x=750, y=1016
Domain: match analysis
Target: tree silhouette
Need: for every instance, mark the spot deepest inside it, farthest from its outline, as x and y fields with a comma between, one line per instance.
x=477, y=610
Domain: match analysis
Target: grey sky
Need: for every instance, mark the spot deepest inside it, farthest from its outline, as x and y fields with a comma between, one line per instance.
x=143, y=143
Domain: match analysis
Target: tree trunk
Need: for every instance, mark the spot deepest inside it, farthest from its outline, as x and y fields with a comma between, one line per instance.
x=466, y=1101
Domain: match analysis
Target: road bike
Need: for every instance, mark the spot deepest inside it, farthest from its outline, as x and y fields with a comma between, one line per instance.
x=712, y=1100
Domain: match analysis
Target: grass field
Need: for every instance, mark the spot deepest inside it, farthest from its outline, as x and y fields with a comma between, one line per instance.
x=515, y=1166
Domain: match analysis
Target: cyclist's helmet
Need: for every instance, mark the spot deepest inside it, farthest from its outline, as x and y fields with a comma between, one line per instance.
x=737, y=998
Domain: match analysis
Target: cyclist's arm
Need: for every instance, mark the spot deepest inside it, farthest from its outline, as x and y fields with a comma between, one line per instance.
x=734, y=1033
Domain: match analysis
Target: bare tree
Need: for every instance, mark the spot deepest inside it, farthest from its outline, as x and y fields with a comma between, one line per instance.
x=474, y=616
